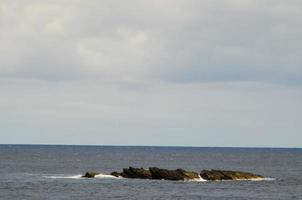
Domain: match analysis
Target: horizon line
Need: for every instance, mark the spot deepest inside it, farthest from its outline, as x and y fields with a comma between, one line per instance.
x=160, y=146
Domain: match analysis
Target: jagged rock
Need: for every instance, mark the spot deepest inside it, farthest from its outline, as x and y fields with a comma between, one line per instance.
x=215, y=175
x=178, y=174
x=90, y=174
x=132, y=172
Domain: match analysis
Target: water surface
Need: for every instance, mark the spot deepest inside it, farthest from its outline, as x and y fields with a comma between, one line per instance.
x=52, y=172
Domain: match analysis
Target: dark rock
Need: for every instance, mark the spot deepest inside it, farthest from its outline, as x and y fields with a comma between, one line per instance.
x=215, y=175
x=116, y=174
x=188, y=175
x=132, y=172
x=90, y=174
x=178, y=174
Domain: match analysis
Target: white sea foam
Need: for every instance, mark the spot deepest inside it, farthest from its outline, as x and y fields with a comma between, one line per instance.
x=200, y=179
x=257, y=179
x=250, y=179
x=105, y=176
x=64, y=177
x=79, y=176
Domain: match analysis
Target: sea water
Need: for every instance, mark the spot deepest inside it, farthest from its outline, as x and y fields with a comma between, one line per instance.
x=54, y=172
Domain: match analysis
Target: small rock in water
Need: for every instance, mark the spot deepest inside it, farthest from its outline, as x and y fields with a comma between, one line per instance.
x=215, y=175
x=90, y=174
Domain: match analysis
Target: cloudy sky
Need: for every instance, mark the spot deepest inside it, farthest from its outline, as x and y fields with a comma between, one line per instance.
x=151, y=72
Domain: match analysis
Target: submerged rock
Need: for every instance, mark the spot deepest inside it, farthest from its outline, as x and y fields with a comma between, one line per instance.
x=178, y=174
x=90, y=174
x=215, y=175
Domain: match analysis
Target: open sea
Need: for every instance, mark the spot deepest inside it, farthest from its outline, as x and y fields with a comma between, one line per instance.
x=53, y=172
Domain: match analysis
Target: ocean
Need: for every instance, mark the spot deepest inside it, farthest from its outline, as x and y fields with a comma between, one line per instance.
x=54, y=172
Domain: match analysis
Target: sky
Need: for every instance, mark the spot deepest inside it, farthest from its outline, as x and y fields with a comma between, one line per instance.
x=142, y=72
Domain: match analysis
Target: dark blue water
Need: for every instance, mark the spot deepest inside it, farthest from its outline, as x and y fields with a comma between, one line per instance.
x=49, y=172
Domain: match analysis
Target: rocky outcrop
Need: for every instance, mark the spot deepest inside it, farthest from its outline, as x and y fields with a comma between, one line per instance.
x=215, y=175
x=178, y=174
x=132, y=172
x=90, y=174
x=156, y=173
